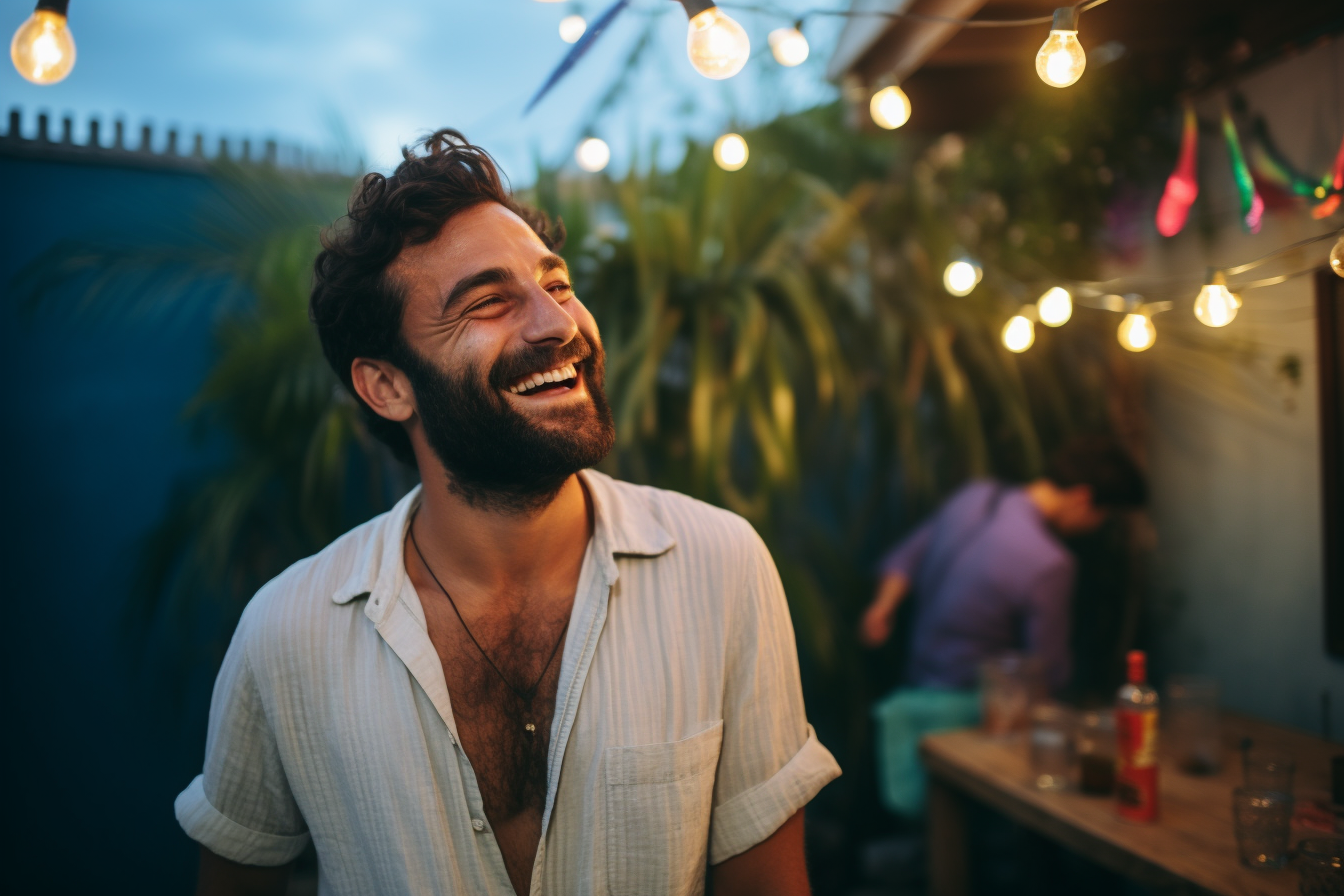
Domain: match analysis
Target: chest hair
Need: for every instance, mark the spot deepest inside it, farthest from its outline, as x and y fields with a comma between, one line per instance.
x=509, y=760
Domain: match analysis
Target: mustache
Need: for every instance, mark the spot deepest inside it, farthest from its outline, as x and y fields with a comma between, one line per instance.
x=535, y=358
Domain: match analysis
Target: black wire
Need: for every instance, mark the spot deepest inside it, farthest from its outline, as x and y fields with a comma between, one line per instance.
x=531, y=692
x=913, y=16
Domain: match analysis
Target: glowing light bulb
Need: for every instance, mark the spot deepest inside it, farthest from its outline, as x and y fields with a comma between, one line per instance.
x=1337, y=257
x=593, y=154
x=1018, y=334
x=1216, y=305
x=788, y=46
x=890, y=107
x=730, y=152
x=1137, y=332
x=1055, y=306
x=43, y=49
x=1061, y=60
x=717, y=46
x=572, y=28
x=961, y=276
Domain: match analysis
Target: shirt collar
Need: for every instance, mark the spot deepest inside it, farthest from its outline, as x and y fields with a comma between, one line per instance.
x=625, y=522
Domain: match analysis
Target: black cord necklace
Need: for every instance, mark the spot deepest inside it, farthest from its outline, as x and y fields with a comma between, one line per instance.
x=527, y=696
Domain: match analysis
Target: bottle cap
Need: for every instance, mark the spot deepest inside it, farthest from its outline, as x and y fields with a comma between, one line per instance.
x=1137, y=662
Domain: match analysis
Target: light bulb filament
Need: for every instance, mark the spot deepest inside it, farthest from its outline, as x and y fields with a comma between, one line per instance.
x=1061, y=60
x=890, y=107
x=716, y=44
x=43, y=50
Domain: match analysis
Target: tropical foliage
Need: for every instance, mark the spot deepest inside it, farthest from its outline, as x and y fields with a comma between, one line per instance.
x=779, y=343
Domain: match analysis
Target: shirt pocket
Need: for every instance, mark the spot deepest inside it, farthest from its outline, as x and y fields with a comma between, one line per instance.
x=658, y=801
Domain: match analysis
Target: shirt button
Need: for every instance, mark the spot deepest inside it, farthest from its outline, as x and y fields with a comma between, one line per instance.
x=477, y=824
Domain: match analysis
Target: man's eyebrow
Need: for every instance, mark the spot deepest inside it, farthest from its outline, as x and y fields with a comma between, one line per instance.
x=487, y=277
x=549, y=263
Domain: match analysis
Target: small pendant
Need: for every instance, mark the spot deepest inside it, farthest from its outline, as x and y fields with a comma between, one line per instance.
x=529, y=728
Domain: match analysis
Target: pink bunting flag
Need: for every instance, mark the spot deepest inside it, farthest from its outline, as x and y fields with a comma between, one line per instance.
x=1182, y=186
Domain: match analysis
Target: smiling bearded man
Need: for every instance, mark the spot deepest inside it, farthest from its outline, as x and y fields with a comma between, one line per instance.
x=527, y=677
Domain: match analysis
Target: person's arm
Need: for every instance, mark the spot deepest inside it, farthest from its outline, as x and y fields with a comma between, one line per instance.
x=773, y=867
x=878, y=619
x=219, y=876
x=1047, y=628
x=240, y=808
x=897, y=569
x=771, y=764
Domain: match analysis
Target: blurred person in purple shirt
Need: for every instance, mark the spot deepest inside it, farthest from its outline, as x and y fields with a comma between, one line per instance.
x=990, y=573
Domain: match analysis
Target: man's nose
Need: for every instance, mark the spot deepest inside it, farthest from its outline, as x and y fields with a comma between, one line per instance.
x=547, y=321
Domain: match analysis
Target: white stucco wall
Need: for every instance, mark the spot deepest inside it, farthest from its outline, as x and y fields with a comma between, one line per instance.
x=1233, y=446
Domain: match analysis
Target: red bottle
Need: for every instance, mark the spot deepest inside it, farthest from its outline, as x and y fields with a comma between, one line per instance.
x=1136, y=738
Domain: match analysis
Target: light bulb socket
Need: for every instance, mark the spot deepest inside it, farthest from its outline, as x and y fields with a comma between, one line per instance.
x=1215, y=278
x=693, y=7
x=1066, y=19
x=60, y=7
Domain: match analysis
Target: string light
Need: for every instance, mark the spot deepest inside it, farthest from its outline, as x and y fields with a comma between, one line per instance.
x=1061, y=60
x=593, y=154
x=572, y=28
x=788, y=46
x=961, y=276
x=43, y=49
x=1137, y=332
x=1019, y=333
x=890, y=107
x=730, y=152
x=1216, y=305
x=717, y=45
x=1337, y=257
x=1055, y=306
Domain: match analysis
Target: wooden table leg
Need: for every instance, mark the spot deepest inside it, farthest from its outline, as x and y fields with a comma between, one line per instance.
x=948, y=854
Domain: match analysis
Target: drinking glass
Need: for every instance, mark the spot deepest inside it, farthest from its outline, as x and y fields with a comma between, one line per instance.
x=1322, y=865
x=1096, y=753
x=1260, y=819
x=1051, y=746
x=1192, y=724
x=1268, y=771
x=1009, y=685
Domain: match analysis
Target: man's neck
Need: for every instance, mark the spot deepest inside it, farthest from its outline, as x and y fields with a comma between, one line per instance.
x=493, y=550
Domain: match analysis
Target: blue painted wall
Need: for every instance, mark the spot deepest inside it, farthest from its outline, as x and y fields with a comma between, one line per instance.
x=95, y=748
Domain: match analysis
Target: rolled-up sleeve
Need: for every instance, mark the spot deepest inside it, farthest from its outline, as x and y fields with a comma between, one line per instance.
x=241, y=807
x=771, y=763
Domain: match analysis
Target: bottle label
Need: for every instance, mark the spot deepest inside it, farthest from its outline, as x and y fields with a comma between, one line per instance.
x=1136, y=775
x=1136, y=735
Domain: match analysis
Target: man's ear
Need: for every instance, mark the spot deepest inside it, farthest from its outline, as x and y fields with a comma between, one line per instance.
x=383, y=387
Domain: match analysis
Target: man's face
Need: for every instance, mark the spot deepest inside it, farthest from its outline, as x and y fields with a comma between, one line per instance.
x=1077, y=514
x=505, y=363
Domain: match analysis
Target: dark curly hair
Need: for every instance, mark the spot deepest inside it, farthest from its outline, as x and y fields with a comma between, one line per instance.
x=1099, y=462
x=355, y=305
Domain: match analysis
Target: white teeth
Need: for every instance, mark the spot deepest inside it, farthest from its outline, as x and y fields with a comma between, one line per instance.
x=560, y=374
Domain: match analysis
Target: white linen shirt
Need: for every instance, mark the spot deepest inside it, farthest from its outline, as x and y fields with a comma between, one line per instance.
x=679, y=736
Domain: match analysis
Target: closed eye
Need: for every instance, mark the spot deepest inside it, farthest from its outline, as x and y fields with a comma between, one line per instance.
x=486, y=303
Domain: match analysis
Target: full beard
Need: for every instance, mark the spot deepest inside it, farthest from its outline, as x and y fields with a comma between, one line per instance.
x=496, y=457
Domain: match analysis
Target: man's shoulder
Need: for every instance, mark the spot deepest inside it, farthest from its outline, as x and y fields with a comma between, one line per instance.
x=696, y=527
x=297, y=599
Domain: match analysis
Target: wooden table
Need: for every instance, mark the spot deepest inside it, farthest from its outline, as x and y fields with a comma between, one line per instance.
x=1190, y=849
